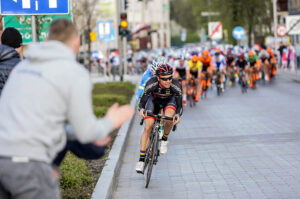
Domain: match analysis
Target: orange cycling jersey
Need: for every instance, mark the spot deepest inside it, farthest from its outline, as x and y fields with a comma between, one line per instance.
x=207, y=63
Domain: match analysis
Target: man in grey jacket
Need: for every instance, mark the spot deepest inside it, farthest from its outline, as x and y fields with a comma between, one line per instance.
x=42, y=94
x=10, y=50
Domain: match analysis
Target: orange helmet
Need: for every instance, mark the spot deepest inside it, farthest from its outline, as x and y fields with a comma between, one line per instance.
x=205, y=53
x=217, y=50
x=269, y=50
x=195, y=58
x=251, y=53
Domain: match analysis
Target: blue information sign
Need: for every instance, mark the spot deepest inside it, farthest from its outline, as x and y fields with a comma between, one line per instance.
x=105, y=31
x=238, y=33
x=34, y=7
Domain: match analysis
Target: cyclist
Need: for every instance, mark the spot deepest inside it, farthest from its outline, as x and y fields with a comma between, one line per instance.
x=181, y=68
x=253, y=64
x=164, y=92
x=149, y=73
x=263, y=56
x=219, y=63
x=230, y=62
x=195, y=71
x=207, y=66
x=241, y=65
x=271, y=70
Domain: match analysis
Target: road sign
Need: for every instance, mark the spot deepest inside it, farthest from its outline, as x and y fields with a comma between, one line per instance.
x=34, y=7
x=215, y=30
x=238, y=33
x=105, y=31
x=293, y=24
x=23, y=24
x=281, y=30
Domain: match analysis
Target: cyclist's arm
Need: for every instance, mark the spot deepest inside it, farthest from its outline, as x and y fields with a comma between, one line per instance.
x=178, y=96
x=150, y=86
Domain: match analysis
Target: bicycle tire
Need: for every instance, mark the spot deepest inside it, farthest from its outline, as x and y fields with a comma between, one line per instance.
x=150, y=166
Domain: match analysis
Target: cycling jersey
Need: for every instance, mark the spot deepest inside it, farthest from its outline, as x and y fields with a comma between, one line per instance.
x=252, y=61
x=219, y=62
x=229, y=61
x=241, y=64
x=194, y=67
x=206, y=63
x=162, y=95
x=146, y=76
x=181, y=69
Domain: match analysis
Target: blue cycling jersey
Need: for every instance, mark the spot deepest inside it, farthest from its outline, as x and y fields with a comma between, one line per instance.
x=146, y=76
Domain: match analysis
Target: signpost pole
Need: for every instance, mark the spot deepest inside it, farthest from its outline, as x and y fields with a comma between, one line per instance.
x=33, y=28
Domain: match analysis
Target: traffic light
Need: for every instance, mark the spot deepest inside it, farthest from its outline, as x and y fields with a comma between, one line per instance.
x=123, y=27
x=126, y=3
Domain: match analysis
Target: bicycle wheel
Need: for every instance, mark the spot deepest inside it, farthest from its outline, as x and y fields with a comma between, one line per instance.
x=153, y=153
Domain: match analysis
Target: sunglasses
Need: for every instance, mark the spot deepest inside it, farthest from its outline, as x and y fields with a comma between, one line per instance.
x=166, y=79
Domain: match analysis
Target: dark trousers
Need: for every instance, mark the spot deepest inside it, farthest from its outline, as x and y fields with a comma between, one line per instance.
x=85, y=151
x=298, y=62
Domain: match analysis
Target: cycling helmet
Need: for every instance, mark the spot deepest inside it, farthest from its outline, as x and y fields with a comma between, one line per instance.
x=269, y=50
x=195, y=58
x=251, y=53
x=242, y=56
x=163, y=70
x=156, y=63
x=205, y=53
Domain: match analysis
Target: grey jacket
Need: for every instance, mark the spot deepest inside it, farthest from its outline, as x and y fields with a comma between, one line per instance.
x=43, y=93
x=9, y=58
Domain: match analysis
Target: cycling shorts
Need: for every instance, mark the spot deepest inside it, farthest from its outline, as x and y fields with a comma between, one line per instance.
x=154, y=105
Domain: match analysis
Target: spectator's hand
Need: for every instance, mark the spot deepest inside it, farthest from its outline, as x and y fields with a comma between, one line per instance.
x=103, y=142
x=119, y=114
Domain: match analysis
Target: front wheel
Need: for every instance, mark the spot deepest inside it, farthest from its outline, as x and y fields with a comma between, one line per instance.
x=152, y=154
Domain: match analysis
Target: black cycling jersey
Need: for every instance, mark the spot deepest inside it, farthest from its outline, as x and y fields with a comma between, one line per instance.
x=182, y=73
x=153, y=88
x=229, y=61
x=241, y=64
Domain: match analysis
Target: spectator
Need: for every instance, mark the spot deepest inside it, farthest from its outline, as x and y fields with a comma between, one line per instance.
x=291, y=57
x=10, y=51
x=43, y=93
x=281, y=48
x=297, y=49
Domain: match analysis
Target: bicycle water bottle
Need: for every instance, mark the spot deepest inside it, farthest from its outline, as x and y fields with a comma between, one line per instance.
x=161, y=131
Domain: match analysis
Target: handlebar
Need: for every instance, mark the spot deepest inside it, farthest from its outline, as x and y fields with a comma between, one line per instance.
x=160, y=116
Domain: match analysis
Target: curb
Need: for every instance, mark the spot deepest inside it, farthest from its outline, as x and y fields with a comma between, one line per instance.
x=295, y=75
x=107, y=180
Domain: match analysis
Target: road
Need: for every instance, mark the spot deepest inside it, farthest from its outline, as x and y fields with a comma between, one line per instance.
x=233, y=146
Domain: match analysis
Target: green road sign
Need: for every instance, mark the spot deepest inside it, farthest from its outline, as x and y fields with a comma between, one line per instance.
x=23, y=24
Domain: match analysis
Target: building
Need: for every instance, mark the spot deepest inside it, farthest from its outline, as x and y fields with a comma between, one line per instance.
x=149, y=22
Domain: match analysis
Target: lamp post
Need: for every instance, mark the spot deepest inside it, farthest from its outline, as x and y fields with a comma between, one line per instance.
x=275, y=23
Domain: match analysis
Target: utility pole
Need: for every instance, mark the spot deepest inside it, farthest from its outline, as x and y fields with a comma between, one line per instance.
x=275, y=23
x=33, y=28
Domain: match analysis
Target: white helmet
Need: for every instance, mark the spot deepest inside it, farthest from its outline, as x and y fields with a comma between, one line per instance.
x=156, y=63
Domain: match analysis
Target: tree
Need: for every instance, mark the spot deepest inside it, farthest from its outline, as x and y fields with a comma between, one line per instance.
x=85, y=13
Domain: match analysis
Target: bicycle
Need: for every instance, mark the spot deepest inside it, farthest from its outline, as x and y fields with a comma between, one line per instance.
x=152, y=151
x=203, y=84
x=218, y=83
x=192, y=91
x=253, y=77
x=243, y=81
